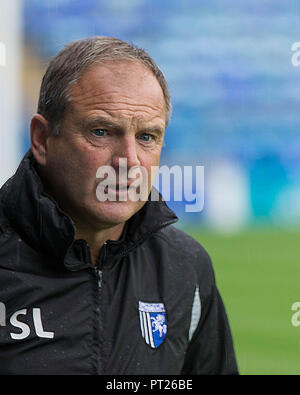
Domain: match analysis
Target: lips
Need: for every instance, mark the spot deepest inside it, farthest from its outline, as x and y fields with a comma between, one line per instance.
x=119, y=187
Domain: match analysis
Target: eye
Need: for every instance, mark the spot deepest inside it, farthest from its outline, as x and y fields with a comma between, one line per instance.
x=146, y=137
x=99, y=132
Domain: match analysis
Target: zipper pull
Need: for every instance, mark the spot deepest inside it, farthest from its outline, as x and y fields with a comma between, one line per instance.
x=100, y=264
x=99, y=276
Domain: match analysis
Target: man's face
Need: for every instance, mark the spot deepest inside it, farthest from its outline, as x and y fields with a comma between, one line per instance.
x=117, y=110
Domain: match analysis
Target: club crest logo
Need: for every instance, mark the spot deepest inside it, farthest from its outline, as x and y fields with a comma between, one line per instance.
x=153, y=323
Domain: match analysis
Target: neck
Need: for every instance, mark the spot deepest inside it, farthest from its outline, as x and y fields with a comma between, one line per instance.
x=93, y=236
x=97, y=239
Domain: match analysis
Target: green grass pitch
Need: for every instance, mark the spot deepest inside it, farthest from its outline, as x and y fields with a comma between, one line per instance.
x=258, y=275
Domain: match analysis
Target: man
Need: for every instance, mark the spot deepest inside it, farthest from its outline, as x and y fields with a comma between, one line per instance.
x=95, y=286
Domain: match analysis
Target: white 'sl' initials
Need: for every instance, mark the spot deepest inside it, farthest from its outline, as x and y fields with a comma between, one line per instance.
x=37, y=320
x=25, y=329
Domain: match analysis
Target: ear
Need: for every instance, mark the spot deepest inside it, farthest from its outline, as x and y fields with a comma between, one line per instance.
x=39, y=134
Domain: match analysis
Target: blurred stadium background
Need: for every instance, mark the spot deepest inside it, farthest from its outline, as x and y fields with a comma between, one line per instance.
x=236, y=102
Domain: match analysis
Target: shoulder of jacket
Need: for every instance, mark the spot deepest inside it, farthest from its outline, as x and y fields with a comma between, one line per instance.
x=182, y=241
x=5, y=227
x=188, y=249
x=8, y=241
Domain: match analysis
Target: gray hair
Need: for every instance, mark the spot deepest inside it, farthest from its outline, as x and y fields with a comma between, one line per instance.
x=69, y=64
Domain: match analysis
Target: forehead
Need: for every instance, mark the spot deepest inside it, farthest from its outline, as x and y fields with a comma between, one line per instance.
x=117, y=88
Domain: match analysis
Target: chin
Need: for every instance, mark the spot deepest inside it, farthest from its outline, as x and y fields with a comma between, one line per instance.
x=115, y=213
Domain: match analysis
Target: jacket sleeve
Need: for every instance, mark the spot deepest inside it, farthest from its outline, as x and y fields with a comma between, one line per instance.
x=210, y=351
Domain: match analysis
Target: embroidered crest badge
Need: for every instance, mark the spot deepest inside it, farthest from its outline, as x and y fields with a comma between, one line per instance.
x=153, y=323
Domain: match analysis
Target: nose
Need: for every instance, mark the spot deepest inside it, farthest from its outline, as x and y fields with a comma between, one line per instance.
x=127, y=149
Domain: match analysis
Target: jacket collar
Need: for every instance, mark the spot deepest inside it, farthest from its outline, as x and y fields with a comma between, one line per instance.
x=48, y=229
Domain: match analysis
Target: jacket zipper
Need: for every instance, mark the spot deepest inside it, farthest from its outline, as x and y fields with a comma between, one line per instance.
x=99, y=308
x=98, y=323
x=99, y=277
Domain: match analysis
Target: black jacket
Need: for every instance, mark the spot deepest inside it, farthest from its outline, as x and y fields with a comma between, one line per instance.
x=151, y=307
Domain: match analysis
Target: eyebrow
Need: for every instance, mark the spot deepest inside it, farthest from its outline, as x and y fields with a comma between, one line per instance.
x=153, y=129
x=93, y=122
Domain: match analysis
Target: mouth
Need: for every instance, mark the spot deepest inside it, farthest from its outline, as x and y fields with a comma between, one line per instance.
x=118, y=187
x=119, y=191
x=129, y=191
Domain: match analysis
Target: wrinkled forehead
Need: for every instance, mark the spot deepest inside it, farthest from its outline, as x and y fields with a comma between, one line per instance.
x=126, y=87
x=130, y=78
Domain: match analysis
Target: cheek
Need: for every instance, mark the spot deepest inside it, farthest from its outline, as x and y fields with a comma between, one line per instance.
x=86, y=168
x=151, y=165
x=150, y=157
x=152, y=160
x=73, y=164
x=87, y=161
